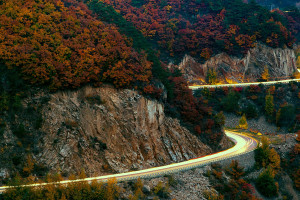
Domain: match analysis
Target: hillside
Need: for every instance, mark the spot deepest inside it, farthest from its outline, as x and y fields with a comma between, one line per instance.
x=98, y=87
x=260, y=61
x=278, y=3
x=204, y=28
x=48, y=47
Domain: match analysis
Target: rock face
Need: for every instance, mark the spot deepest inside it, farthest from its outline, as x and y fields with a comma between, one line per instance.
x=281, y=63
x=108, y=130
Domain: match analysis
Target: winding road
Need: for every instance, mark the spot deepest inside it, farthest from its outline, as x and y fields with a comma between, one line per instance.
x=243, y=145
x=195, y=87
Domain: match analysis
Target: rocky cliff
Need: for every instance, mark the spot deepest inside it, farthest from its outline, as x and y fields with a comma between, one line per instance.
x=281, y=63
x=102, y=130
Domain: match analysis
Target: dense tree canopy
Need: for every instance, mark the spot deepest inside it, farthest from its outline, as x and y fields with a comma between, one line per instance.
x=62, y=45
x=205, y=27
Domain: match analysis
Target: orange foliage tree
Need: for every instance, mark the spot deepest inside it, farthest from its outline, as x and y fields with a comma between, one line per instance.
x=62, y=45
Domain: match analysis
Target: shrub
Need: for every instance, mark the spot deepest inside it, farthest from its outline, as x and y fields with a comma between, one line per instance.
x=94, y=99
x=161, y=190
x=172, y=181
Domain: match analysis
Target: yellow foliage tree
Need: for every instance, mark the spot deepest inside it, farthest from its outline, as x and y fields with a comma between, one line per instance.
x=243, y=122
x=274, y=160
x=112, y=189
x=298, y=62
x=265, y=75
x=29, y=165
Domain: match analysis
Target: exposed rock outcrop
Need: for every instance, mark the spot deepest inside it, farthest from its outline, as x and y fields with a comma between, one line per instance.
x=122, y=131
x=105, y=130
x=281, y=63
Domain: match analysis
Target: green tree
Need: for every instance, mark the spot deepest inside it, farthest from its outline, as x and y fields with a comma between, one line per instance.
x=269, y=105
x=266, y=184
x=211, y=76
x=230, y=102
x=220, y=119
x=251, y=111
x=287, y=116
x=262, y=152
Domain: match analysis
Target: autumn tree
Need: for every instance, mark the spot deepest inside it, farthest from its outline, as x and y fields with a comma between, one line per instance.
x=298, y=61
x=274, y=160
x=29, y=165
x=243, y=122
x=62, y=47
x=297, y=179
x=233, y=27
x=235, y=170
x=265, y=75
x=266, y=157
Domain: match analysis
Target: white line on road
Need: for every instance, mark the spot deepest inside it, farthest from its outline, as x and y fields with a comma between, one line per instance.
x=195, y=87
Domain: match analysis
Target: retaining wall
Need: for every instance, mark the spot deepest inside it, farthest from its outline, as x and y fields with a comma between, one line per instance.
x=246, y=160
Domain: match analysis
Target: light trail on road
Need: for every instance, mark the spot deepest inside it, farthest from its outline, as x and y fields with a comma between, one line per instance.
x=195, y=87
x=243, y=145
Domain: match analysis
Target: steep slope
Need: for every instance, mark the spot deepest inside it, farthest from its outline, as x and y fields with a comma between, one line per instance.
x=101, y=130
x=57, y=45
x=281, y=63
x=135, y=131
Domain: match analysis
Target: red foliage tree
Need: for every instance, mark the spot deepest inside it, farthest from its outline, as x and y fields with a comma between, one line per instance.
x=65, y=46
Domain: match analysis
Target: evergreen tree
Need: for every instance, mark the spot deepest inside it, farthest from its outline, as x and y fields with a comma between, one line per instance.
x=269, y=106
x=262, y=152
x=266, y=184
x=211, y=76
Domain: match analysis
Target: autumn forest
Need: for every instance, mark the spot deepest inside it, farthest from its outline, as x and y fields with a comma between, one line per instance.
x=66, y=44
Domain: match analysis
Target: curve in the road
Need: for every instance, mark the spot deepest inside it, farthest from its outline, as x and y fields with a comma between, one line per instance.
x=243, y=145
x=195, y=87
